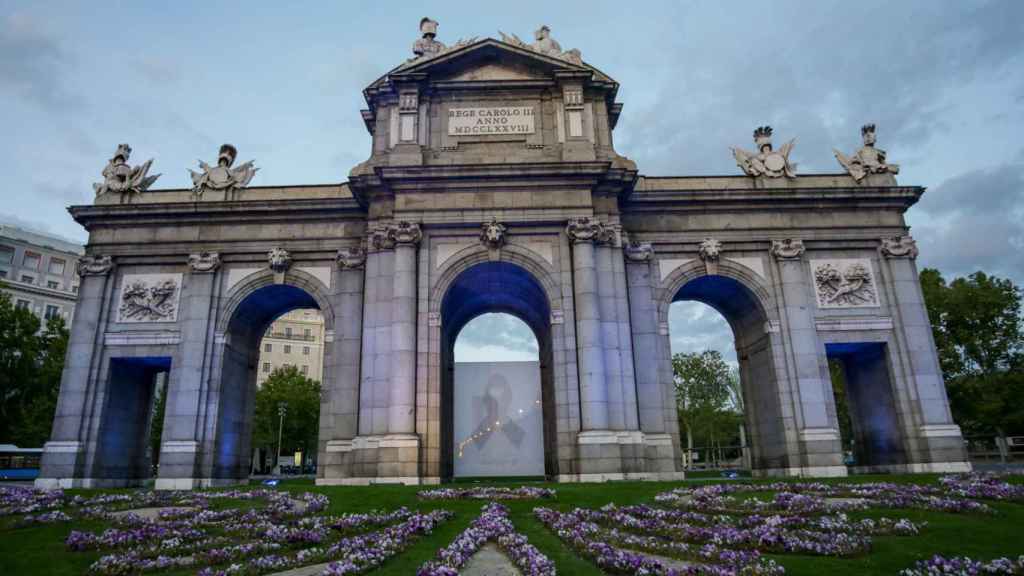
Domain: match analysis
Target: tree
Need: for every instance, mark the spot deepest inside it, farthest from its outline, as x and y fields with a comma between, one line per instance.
x=156, y=422
x=976, y=324
x=31, y=362
x=707, y=397
x=301, y=395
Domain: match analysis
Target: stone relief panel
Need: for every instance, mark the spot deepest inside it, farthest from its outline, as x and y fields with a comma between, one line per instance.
x=844, y=283
x=149, y=298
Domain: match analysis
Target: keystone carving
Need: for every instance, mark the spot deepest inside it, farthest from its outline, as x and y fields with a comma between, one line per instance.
x=204, y=262
x=279, y=260
x=118, y=176
x=788, y=249
x=95, y=265
x=766, y=161
x=222, y=176
x=492, y=234
x=844, y=283
x=587, y=229
x=899, y=247
x=149, y=298
x=710, y=249
x=638, y=251
x=867, y=160
x=351, y=258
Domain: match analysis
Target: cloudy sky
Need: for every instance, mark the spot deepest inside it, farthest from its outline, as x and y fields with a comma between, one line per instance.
x=944, y=81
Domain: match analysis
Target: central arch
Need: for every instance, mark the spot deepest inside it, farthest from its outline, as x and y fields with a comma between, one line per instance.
x=495, y=286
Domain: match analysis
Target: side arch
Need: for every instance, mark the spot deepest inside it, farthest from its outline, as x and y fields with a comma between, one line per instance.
x=317, y=294
x=683, y=275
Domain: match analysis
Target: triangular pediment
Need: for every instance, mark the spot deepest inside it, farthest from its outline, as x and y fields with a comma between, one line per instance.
x=488, y=60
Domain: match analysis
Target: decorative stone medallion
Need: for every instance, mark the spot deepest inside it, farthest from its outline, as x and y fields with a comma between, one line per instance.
x=638, y=251
x=92, y=265
x=899, y=247
x=149, y=298
x=788, y=249
x=351, y=258
x=204, y=262
x=844, y=283
x=587, y=229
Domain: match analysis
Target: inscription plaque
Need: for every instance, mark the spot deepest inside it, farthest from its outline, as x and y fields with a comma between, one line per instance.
x=487, y=121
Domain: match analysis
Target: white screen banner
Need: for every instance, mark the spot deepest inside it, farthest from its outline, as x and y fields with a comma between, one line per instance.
x=498, y=419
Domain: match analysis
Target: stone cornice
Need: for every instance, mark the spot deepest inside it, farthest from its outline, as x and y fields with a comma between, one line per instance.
x=731, y=199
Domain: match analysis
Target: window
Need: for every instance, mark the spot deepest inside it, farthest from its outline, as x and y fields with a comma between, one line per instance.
x=53, y=284
x=266, y=366
x=307, y=333
x=30, y=261
x=305, y=369
x=51, y=311
x=56, y=266
x=24, y=304
x=27, y=279
x=305, y=350
x=287, y=349
x=268, y=347
x=6, y=254
x=287, y=332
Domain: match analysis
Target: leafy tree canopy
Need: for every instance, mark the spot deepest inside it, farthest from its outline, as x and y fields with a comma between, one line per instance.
x=976, y=323
x=31, y=362
x=301, y=397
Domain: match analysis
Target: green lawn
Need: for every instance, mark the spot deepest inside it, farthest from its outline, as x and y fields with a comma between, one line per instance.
x=40, y=550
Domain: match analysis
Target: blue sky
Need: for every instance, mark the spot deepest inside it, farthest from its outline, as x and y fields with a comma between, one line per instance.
x=944, y=81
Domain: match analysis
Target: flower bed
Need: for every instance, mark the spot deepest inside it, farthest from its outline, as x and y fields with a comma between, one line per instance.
x=487, y=493
x=963, y=566
x=492, y=525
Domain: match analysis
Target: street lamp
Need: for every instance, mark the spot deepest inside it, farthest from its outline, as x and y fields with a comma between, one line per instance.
x=282, y=409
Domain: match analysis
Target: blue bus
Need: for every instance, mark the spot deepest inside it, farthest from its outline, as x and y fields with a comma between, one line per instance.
x=19, y=463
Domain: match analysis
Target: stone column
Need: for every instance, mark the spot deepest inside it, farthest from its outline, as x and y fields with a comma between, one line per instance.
x=180, y=445
x=938, y=440
x=659, y=459
x=64, y=455
x=402, y=409
x=820, y=450
x=584, y=233
x=376, y=343
x=340, y=406
x=610, y=344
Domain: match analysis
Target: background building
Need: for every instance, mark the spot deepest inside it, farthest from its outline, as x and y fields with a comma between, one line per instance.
x=295, y=339
x=39, y=271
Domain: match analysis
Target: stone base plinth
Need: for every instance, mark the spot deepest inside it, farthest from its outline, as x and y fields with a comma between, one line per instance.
x=378, y=459
x=801, y=472
x=196, y=483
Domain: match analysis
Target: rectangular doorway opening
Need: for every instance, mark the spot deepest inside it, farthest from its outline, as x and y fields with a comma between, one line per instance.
x=865, y=405
x=135, y=387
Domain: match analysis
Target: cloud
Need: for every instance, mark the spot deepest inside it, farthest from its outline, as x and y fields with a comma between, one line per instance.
x=975, y=221
x=33, y=63
x=496, y=338
x=696, y=327
x=817, y=78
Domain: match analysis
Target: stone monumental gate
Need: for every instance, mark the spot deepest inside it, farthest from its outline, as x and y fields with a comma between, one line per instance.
x=493, y=186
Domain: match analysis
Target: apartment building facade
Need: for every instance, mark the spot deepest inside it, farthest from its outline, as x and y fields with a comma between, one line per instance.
x=39, y=272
